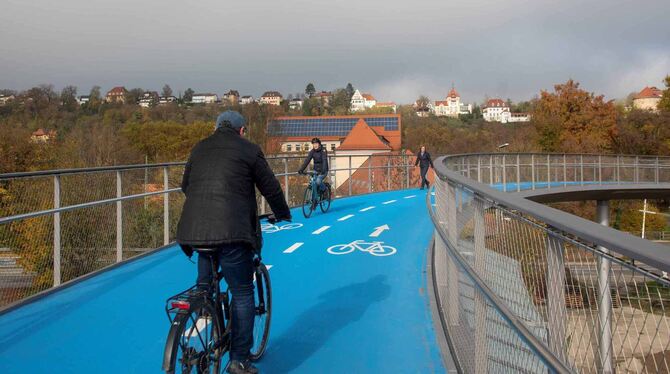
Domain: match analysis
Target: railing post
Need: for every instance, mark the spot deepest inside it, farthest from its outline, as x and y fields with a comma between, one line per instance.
x=581, y=169
x=491, y=170
x=370, y=174
x=548, y=171
x=349, y=175
x=166, y=207
x=618, y=169
x=504, y=174
x=388, y=173
x=565, y=170
x=119, y=219
x=479, y=168
x=600, y=169
x=57, y=232
x=518, y=172
x=637, y=169
x=606, y=364
x=286, y=194
x=468, y=168
x=532, y=170
x=556, y=308
x=656, y=176
x=481, y=328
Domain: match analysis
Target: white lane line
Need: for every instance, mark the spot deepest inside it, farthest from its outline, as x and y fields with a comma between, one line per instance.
x=200, y=326
x=293, y=247
x=389, y=202
x=269, y=266
x=366, y=209
x=346, y=217
x=409, y=197
x=319, y=231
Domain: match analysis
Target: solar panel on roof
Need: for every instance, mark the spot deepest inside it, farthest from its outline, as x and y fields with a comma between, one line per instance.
x=326, y=126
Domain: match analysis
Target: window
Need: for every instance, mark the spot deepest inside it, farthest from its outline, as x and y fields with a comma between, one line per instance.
x=332, y=147
x=288, y=148
x=297, y=147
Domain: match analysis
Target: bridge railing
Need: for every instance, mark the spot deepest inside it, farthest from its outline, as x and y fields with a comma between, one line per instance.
x=60, y=225
x=526, y=288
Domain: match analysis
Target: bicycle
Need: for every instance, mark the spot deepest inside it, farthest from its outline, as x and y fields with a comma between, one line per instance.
x=313, y=197
x=373, y=248
x=200, y=321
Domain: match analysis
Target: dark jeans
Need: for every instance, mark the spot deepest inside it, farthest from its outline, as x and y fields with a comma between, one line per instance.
x=236, y=262
x=424, y=181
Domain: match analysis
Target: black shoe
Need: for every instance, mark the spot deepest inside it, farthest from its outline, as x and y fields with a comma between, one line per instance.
x=239, y=367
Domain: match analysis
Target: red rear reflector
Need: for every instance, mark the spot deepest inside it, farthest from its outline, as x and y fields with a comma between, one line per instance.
x=184, y=305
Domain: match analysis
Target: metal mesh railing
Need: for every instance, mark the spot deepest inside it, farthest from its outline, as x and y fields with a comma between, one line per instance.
x=56, y=226
x=525, y=288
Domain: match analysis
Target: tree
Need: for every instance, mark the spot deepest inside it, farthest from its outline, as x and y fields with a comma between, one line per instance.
x=340, y=102
x=167, y=91
x=350, y=90
x=68, y=98
x=422, y=101
x=188, y=95
x=134, y=95
x=573, y=120
x=665, y=99
x=310, y=90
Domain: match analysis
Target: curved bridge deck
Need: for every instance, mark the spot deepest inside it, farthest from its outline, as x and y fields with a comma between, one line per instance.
x=333, y=313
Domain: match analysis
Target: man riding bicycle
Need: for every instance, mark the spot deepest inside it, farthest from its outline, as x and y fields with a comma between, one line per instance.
x=220, y=212
x=320, y=157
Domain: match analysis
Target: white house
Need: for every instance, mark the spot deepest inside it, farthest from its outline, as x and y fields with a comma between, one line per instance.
x=204, y=98
x=295, y=103
x=271, y=98
x=148, y=99
x=496, y=110
x=248, y=99
x=451, y=106
x=163, y=100
x=648, y=99
x=361, y=101
x=83, y=99
x=518, y=117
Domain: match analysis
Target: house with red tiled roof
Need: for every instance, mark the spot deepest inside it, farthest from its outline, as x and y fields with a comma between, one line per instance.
x=352, y=138
x=362, y=101
x=42, y=136
x=116, y=95
x=648, y=99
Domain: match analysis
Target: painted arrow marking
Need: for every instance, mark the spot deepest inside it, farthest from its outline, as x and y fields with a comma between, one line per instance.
x=379, y=230
x=320, y=230
x=346, y=217
x=293, y=247
x=366, y=209
x=389, y=202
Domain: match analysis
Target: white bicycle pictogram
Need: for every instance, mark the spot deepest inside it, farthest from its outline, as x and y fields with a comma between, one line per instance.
x=269, y=228
x=373, y=248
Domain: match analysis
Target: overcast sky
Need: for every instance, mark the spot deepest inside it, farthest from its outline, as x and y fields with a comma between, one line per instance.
x=394, y=50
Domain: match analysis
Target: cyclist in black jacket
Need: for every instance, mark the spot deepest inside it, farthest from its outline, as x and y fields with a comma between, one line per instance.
x=423, y=160
x=220, y=212
x=320, y=157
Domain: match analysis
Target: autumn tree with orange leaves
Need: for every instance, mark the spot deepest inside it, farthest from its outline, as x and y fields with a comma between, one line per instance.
x=573, y=120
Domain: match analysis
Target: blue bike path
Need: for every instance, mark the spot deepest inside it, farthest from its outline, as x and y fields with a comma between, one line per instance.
x=343, y=313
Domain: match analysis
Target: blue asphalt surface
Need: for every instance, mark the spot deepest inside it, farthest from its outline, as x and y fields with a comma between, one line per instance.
x=353, y=313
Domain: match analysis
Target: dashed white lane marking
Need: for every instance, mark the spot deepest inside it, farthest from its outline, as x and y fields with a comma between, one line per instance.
x=200, y=326
x=366, y=209
x=346, y=217
x=409, y=197
x=389, y=202
x=319, y=231
x=269, y=266
x=293, y=247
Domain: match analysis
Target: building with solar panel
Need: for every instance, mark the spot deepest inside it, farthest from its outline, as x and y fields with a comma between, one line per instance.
x=351, y=139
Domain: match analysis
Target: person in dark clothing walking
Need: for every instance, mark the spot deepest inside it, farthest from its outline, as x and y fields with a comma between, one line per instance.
x=320, y=157
x=424, y=161
x=220, y=212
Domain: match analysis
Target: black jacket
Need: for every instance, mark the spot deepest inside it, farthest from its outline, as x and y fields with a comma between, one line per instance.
x=424, y=160
x=218, y=182
x=320, y=157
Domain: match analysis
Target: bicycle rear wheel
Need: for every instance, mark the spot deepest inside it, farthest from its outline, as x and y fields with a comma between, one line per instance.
x=263, y=312
x=325, y=200
x=307, y=206
x=194, y=344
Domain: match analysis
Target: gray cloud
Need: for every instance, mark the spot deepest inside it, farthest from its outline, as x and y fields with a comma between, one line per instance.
x=511, y=48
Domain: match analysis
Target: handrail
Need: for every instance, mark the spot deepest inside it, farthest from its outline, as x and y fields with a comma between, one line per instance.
x=636, y=248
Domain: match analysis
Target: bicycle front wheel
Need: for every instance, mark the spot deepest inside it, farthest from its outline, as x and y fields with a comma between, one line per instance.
x=263, y=305
x=194, y=343
x=307, y=205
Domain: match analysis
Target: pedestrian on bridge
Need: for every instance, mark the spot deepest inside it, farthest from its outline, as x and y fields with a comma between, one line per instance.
x=424, y=161
x=220, y=181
